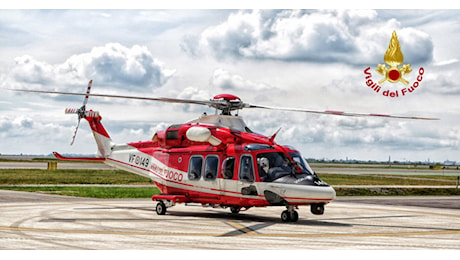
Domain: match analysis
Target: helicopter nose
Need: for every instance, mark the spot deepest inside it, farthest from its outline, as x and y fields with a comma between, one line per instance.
x=300, y=194
x=332, y=193
x=326, y=193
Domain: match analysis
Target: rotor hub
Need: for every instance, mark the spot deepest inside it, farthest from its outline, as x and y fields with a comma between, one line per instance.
x=228, y=97
x=226, y=103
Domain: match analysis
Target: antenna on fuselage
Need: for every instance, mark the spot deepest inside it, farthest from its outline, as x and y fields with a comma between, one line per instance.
x=272, y=138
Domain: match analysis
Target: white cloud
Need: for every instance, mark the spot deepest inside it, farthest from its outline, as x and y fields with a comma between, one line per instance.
x=30, y=71
x=349, y=36
x=446, y=62
x=111, y=65
x=442, y=81
x=320, y=136
x=191, y=93
x=26, y=134
x=224, y=80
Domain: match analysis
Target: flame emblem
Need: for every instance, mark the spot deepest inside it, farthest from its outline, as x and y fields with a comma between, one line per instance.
x=394, y=58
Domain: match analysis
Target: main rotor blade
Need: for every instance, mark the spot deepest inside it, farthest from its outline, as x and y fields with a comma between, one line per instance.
x=215, y=103
x=339, y=113
x=170, y=100
x=85, y=101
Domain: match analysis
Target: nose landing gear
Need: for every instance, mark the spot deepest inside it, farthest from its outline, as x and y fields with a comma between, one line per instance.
x=290, y=215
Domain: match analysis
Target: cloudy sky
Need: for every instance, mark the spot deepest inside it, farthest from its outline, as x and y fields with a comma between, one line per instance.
x=312, y=59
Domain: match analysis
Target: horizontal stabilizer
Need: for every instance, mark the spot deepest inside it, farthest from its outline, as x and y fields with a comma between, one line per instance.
x=64, y=158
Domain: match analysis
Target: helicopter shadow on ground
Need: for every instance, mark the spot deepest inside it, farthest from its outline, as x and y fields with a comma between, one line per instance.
x=216, y=214
x=247, y=217
x=244, y=218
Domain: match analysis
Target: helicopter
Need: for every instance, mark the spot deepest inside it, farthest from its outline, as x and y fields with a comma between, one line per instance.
x=214, y=160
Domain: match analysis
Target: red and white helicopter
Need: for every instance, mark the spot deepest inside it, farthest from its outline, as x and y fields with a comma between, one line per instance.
x=215, y=160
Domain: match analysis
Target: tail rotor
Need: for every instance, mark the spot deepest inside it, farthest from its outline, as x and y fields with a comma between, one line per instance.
x=75, y=132
x=81, y=112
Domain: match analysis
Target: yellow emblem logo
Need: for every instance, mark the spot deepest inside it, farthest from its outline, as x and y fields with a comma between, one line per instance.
x=394, y=58
x=394, y=71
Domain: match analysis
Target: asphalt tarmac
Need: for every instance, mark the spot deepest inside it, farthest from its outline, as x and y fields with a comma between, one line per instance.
x=40, y=221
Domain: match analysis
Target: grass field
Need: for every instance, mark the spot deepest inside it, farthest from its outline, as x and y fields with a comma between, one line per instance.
x=60, y=182
x=382, y=179
x=91, y=191
x=69, y=176
x=55, y=179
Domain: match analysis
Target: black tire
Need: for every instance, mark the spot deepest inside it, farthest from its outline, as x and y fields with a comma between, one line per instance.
x=285, y=216
x=317, y=208
x=294, y=216
x=160, y=208
x=235, y=210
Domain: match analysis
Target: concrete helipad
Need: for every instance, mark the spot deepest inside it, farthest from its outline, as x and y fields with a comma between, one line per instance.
x=37, y=221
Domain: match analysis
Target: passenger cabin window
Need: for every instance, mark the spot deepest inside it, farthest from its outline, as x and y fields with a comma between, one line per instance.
x=194, y=168
x=211, y=166
x=228, y=167
x=246, y=173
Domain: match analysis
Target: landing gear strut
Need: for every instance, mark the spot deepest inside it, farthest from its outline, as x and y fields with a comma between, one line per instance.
x=289, y=215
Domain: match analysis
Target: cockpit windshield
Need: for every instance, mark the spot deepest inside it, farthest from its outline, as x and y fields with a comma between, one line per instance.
x=274, y=165
x=297, y=157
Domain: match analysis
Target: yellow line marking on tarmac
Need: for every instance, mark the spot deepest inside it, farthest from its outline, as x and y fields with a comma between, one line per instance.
x=245, y=230
x=249, y=232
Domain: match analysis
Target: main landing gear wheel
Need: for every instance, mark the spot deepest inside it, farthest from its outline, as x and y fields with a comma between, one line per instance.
x=285, y=216
x=160, y=208
x=294, y=216
x=235, y=210
x=289, y=215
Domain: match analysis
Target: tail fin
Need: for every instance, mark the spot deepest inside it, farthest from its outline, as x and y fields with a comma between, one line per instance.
x=103, y=140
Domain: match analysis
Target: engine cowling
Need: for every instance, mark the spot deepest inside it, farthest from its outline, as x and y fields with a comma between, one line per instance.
x=202, y=134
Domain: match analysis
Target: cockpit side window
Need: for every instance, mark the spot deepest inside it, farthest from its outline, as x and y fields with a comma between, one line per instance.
x=273, y=165
x=246, y=173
